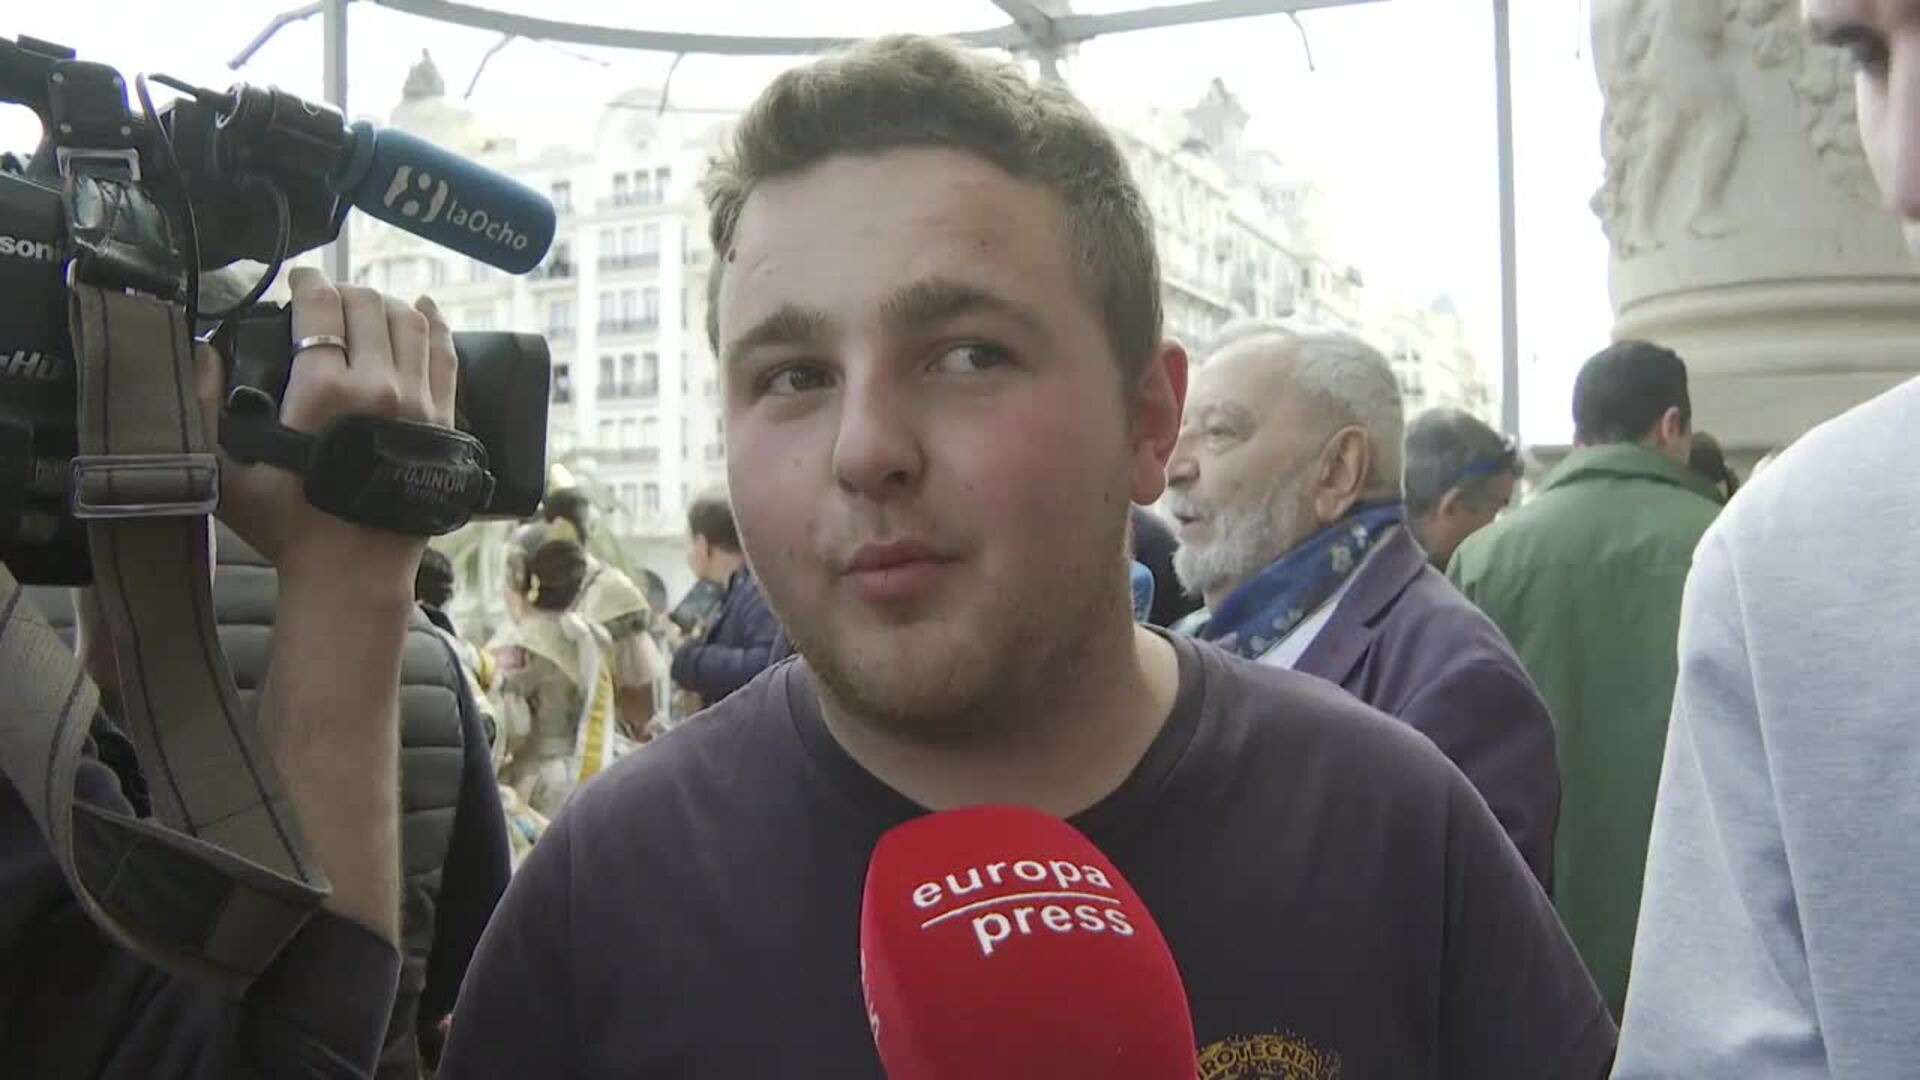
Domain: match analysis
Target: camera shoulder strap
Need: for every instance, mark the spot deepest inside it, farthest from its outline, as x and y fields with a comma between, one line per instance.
x=217, y=881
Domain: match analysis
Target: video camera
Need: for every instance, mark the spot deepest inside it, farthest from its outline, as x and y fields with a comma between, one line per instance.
x=247, y=174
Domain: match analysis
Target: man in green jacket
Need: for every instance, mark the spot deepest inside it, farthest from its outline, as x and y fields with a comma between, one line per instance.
x=1585, y=580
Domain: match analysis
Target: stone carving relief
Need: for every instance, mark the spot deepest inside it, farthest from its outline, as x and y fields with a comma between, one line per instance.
x=1822, y=85
x=1675, y=121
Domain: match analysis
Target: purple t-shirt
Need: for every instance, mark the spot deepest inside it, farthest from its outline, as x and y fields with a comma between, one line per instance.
x=1339, y=900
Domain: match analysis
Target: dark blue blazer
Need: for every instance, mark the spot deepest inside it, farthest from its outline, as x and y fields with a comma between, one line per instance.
x=1406, y=642
x=744, y=640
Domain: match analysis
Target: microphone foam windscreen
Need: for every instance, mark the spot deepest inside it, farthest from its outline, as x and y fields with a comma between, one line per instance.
x=456, y=203
x=998, y=942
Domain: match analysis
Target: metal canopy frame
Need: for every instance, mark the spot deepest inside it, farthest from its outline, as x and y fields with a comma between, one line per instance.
x=1043, y=29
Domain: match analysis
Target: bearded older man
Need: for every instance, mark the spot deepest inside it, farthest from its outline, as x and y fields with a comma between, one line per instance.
x=1286, y=483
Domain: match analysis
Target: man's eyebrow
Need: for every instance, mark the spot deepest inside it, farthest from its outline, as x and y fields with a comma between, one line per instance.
x=935, y=300
x=788, y=325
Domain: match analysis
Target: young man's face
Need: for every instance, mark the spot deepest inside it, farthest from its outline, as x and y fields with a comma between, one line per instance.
x=1883, y=39
x=929, y=449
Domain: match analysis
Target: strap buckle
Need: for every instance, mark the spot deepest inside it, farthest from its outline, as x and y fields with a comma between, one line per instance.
x=67, y=155
x=116, y=486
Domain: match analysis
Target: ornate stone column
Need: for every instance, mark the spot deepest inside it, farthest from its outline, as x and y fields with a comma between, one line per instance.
x=1747, y=233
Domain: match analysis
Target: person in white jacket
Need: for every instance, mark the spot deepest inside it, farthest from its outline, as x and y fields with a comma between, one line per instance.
x=1777, y=934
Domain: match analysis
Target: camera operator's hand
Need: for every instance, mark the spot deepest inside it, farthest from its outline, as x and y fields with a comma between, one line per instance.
x=330, y=710
x=399, y=363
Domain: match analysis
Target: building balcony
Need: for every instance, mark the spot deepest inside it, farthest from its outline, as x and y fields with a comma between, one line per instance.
x=716, y=451
x=562, y=395
x=629, y=391
x=554, y=271
x=695, y=256
x=646, y=523
x=563, y=332
x=638, y=260
x=628, y=455
x=612, y=327
x=629, y=200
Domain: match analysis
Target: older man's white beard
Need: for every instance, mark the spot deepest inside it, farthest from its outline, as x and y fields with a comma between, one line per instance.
x=1245, y=538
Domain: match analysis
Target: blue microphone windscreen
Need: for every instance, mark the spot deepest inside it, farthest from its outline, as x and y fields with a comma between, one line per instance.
x=440, y=196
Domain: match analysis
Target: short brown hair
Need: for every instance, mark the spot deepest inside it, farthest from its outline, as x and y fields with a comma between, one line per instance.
x=907, y=91
x=710, y=517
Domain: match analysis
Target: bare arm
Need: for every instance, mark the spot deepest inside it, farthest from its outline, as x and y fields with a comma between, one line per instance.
x=335, y=740
x=331, y=707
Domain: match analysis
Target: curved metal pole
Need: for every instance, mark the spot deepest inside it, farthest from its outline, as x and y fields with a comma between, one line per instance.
x=272, y=28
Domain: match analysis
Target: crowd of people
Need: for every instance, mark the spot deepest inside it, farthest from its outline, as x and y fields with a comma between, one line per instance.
x=1425, y=764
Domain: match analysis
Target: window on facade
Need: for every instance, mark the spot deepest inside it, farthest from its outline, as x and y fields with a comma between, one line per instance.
x=403, y=277
x=629, y=240
x=626, y=373
x=650, y=498
x=562, y=195
x=649, y=239
x=606, y=434
x=650, y=304
x=559, y=318
x=629, y=305
x=650, y=431
x=436, y=273
x=649, y=373
x=622, y=191
x=629, y=432
x=608, y=309
x=606, y=376
x=562, y=384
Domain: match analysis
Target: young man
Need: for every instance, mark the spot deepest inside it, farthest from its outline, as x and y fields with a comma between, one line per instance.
x=1286, y=485
x=1777, y=936
x=938, y=313
x=743, y=638
x=1460, y=475
x=1585, y=580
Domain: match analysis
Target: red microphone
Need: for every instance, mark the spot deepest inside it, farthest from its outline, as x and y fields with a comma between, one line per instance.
x=998, y=942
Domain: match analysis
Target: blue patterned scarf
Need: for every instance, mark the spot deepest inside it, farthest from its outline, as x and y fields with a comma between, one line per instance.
x=1262, y=610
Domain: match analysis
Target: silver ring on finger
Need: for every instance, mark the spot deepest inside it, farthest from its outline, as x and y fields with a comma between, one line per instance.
x=319, y=341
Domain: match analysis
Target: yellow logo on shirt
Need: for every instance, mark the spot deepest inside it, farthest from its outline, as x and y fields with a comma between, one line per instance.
x=1267, y=1057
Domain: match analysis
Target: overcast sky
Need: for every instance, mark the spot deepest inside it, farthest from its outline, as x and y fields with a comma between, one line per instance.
x=1396, y=116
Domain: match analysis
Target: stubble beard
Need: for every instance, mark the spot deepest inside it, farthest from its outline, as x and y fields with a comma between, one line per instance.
x=978, y=680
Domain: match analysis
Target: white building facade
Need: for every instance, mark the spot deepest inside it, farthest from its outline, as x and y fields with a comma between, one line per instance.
x=621, y=300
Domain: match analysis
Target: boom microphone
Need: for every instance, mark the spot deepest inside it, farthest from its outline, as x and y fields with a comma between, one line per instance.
x=414, y=185
x=997, y=941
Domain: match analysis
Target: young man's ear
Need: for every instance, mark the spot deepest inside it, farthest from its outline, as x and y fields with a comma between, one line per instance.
x=1159, y=398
